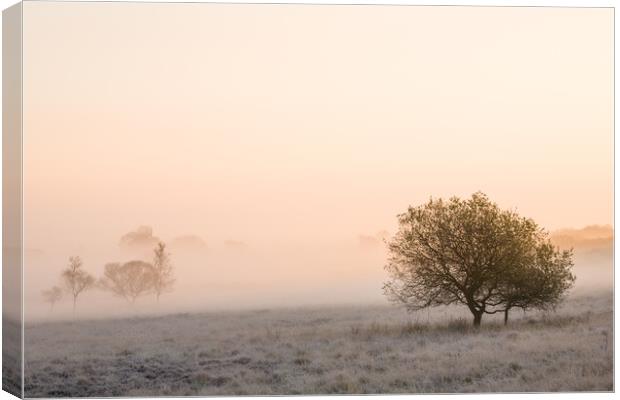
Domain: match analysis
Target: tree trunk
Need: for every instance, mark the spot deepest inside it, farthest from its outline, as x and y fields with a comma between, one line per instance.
x=74, y=301
x=477, y=319
x=506, y=316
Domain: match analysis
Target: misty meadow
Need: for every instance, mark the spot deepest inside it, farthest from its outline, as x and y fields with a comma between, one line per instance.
x=222, y=199
x=450, y=261
x=327, y=350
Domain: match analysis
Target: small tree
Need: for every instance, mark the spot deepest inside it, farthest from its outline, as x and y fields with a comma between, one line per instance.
x=76, y=279
x=541, y=284
x=129, y=280
x=471, y=252
x=52, y=295
x=164, y=278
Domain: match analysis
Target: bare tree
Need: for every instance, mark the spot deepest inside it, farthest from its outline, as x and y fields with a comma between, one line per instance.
x=76, y=279
x=164, y=278
x=473, y=253
x=129, y=280
x=52, y=295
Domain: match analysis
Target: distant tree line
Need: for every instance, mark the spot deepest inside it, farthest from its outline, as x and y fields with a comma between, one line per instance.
x=467, y=252
x=128, y=280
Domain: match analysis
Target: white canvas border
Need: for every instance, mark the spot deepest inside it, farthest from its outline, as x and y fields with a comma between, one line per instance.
x=519, y=3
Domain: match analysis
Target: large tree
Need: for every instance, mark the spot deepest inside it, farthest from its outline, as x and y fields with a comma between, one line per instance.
x=129, y=280
x=470, y=252
x=76, y=280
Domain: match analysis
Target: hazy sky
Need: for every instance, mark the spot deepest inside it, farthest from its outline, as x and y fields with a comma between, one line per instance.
x=308, y=124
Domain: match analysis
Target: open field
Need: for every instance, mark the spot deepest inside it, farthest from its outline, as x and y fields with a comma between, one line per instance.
x=11, y=356
x=373, y=349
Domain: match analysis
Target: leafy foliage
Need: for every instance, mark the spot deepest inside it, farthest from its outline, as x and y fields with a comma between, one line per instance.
x=473, y=253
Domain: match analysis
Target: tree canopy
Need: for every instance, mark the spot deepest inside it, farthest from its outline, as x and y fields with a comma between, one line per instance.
x=129, y=280
x=471, y=252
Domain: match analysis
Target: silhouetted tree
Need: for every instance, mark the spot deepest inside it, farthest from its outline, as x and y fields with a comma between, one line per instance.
x=52, y=295
x=541, y=284
x=471, y=252
x=164, y=279
x=129, y=280
x=141, y=240
x=76, y=279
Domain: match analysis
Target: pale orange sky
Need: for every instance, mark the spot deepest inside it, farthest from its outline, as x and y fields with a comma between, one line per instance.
x=308, y=124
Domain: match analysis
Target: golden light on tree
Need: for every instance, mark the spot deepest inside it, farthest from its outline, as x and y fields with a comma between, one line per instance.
x=471, y=252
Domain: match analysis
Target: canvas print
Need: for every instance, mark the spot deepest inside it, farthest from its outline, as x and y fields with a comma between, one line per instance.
x=284, y=199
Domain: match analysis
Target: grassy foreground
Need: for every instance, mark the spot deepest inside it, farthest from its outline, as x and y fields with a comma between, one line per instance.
x=373, y=349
